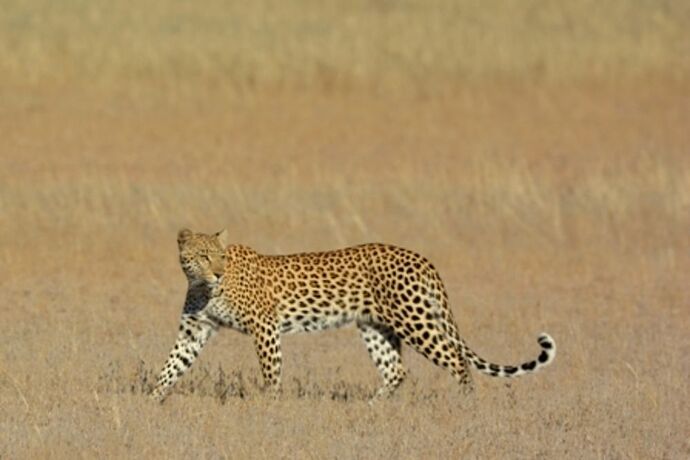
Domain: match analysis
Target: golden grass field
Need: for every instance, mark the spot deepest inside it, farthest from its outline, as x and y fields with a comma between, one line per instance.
x=538, y=153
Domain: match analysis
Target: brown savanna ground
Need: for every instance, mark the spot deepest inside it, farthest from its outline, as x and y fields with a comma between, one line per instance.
x=538, y=153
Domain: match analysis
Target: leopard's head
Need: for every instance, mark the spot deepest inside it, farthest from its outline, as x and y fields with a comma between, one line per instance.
x=202, y=256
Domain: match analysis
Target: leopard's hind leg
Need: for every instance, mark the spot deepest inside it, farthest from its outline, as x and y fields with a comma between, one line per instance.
x=383, y=346
x=416, y=321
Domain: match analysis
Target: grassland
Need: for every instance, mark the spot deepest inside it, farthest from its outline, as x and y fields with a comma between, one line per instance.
x=220, y=47
x=538, y=154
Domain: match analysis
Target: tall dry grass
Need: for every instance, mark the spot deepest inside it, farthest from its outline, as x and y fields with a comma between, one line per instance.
x=570, y=172
x=411, y=46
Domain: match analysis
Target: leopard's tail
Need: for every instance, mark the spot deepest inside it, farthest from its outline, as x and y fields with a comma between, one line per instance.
x=546, y=356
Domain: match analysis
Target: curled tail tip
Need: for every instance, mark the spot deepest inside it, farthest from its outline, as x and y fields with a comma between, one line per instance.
x=546, y=341
x=548, y=346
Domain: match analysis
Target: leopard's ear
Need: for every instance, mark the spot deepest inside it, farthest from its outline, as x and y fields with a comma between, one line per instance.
x=222, y=237
x=184, y=235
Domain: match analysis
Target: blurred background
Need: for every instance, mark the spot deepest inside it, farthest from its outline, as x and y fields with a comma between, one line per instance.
x=544, y=124
x=380, y=46
x=537, y=152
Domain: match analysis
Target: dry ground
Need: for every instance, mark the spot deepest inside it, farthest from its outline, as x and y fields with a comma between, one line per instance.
x=539, y=157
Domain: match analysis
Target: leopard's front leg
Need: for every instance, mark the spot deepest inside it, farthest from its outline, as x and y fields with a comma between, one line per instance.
x=267, y=342
x=195, y=331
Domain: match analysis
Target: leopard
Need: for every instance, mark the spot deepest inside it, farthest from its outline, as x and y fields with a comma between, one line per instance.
x=394, y=296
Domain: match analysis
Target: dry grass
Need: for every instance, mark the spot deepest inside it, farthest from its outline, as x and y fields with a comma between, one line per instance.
x=559, y=204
